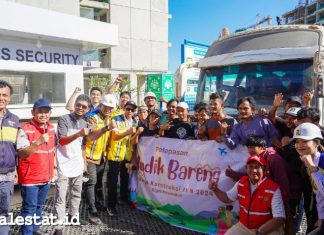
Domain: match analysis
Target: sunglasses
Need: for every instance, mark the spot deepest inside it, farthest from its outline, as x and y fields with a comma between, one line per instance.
x=81, y=106
x=129, y=109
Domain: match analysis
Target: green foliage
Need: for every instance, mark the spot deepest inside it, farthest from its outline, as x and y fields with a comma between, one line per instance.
x=101, y=82
x=106, y=81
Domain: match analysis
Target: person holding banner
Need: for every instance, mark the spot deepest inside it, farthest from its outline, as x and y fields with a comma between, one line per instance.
x=181, y=127
x=261, y=205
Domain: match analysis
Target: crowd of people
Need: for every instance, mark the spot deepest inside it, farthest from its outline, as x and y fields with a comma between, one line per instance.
x=284, y=176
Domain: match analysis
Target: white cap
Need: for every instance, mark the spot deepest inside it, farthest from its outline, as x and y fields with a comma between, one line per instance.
x=183, y=105
x=307, y=131
x=109, y=100
x=150, y=94
x=293, y=111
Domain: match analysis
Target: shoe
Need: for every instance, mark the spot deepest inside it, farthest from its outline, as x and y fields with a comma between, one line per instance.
x=94, y=220
x=58, y=232
x=112, y=211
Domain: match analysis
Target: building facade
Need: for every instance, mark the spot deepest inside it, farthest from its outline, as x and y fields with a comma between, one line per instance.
x=307, y=12
x=143, y=41
x=41, y=44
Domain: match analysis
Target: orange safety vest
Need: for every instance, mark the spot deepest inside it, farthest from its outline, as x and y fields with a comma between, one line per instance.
x=37, y=167
x=255, y=209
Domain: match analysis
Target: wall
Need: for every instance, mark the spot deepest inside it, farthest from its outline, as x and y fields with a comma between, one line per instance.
x=143, y=35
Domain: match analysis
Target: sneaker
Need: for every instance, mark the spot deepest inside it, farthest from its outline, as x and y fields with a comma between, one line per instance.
x=94, y=220
x=58, y=232
x=112, y=211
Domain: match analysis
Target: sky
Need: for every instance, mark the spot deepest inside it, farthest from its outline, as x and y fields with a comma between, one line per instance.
x=202, y=20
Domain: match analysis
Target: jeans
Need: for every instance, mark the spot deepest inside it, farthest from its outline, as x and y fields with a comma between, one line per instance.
x=94, y=172
x=6, y=191
x=34, y=197
x=113, y=172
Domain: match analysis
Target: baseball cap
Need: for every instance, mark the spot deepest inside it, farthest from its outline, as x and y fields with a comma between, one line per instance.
x=131, y=103
x=156, y=111
x=42, y=103
x=183, y=105
x=257, y=158
x=150, y=94
x=307, y=131
x=142, y=107
x=294, y=99
x=293, y=111
x=109, y=100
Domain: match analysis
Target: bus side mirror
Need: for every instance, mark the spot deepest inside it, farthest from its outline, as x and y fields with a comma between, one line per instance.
x=319, y=85
x=319, y=73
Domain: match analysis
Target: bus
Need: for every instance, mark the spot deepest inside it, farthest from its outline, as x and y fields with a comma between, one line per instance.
x=286, y=59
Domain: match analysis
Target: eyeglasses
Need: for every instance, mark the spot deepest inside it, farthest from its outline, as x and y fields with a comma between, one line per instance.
x=78, y=105
x=128, y=109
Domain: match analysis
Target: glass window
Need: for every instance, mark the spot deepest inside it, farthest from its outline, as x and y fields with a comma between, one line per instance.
x=259, y=80
x=29, y=86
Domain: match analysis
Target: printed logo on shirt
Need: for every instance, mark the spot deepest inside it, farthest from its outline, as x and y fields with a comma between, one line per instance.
x=181, y=132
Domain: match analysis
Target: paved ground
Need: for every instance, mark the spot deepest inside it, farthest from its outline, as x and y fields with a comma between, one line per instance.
x=129, y=221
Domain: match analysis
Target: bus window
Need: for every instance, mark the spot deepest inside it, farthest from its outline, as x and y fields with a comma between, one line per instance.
x=260, y=80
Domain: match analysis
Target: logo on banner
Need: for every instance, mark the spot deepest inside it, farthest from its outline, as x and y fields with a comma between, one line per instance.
x=222, y=151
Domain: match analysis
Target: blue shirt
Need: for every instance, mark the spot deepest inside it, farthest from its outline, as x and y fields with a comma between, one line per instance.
x=258, y=126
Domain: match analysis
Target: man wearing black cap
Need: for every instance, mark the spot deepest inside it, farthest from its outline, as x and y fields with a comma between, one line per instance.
x=36, y=151
x=151, y=129
x=120, y=153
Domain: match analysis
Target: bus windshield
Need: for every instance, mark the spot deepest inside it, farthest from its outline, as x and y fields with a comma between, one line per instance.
x=259, y=80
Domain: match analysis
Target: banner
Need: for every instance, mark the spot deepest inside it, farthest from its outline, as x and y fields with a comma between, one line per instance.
x=173, y=177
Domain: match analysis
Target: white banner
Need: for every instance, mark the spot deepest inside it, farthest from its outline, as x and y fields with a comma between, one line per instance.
x=177, y=172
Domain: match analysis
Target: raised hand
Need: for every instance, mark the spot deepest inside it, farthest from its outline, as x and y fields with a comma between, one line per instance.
x=278, y=100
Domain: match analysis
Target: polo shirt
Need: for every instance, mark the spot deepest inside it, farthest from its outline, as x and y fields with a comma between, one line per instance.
x=69, y=157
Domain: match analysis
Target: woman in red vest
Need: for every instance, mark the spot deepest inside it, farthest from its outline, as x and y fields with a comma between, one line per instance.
x=260, y=201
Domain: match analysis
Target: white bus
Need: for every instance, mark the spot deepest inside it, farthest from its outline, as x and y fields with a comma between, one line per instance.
x=260, y=63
